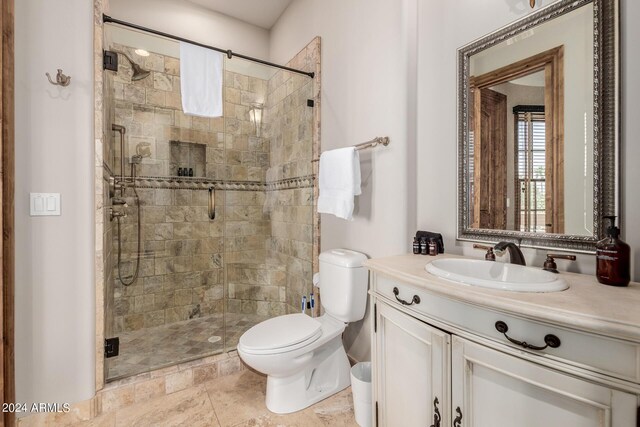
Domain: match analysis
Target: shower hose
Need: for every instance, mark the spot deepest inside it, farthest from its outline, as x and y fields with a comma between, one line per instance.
x=134, y=277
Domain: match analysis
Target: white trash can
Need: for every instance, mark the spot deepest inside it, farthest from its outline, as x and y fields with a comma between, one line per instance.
x=361, y=390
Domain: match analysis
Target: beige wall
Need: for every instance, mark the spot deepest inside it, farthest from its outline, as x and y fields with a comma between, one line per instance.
x=194, y=22
x=54, y=304
x=630, y=149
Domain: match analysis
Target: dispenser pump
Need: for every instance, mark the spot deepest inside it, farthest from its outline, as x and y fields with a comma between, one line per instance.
x=613, y=257
x=612, y=230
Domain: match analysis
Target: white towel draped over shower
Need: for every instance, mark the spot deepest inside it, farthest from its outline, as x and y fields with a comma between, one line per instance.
x=201, y=80
x=339, y=182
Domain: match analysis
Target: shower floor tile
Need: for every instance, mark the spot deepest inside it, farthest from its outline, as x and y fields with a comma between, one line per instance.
x=153, y=348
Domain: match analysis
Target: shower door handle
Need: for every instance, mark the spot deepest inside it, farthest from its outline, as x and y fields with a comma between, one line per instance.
x=212, y=203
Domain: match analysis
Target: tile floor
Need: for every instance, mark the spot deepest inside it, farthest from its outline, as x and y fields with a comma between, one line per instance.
x=153, y=348
x=232, y=401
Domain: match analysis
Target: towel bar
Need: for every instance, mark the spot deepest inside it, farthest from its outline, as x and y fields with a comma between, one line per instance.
x=384, y=140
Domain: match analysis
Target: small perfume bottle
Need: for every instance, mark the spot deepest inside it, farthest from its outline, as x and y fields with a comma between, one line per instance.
x=433, y=247
x=416, y=246
x=424, y=247
x=190, y=171
x=179, y=171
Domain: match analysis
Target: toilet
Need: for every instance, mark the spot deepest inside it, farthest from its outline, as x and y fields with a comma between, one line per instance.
x=303, y=357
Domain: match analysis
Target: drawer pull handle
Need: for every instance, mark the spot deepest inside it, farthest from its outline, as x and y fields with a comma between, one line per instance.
x=436, y=414
x=457, y=422
x=414, y=300
x=550, y=340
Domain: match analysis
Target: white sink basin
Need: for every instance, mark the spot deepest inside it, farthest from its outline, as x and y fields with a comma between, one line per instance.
x=496, y=275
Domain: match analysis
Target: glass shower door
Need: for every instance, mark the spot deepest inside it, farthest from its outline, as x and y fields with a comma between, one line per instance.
x=204, y=279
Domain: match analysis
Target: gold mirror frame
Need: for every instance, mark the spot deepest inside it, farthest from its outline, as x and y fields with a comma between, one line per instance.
x=605, y=126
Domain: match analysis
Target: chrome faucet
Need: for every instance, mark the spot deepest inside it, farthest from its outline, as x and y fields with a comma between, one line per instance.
x=515, y=254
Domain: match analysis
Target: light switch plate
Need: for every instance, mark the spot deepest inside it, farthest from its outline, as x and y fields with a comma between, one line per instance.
x=44, y=204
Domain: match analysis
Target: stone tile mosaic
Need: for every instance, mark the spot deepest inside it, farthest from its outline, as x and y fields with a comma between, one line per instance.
x=157, y=347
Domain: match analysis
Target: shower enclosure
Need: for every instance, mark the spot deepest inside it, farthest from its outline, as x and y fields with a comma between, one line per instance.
x=209, y=227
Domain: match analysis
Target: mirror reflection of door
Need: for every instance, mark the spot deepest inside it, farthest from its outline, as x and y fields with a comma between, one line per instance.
x=516, y=146
x=490, y=159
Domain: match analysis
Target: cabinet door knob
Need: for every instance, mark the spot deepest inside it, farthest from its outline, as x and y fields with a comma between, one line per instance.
x=550, y=340
x=414, y=300
x=436, y=414
x=457, y=422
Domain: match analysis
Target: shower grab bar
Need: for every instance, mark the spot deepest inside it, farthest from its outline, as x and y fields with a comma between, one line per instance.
x=212, y=203
x=384, y=140
x=123, y=183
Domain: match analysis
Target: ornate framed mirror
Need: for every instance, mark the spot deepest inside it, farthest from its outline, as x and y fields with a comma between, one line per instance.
x=538, y=128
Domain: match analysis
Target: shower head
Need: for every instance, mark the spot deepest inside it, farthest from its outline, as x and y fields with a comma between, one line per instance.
x=139, y=73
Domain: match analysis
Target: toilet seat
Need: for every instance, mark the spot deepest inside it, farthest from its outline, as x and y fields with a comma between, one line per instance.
x=281, y=334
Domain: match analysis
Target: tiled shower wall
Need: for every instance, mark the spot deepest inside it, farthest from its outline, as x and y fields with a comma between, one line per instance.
x=261, y=242
x=183, y=252
x=294, y=143
x=181, y=267
x=151, y=111
x=254, y=285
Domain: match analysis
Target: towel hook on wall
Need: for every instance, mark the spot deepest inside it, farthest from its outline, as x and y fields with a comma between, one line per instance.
x=61, y=79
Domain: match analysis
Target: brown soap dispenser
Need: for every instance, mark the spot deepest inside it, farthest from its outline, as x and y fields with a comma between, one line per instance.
x=613, y=263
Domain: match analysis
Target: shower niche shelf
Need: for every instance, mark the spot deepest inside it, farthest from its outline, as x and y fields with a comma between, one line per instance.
x=189, y=155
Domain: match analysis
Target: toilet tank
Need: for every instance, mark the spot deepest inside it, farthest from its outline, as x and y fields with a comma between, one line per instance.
x=343, y=284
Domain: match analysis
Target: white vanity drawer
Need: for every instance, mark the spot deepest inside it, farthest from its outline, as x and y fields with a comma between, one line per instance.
x=613, y=357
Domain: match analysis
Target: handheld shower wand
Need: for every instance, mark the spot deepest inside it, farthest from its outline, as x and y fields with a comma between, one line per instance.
x=122, y=201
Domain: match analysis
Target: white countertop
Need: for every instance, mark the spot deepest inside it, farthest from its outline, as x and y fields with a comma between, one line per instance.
x=587, y=305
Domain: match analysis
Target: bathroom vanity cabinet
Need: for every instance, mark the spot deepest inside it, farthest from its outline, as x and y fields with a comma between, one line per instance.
x=440, y=356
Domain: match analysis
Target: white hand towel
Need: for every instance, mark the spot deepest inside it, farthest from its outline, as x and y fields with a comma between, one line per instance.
x=339, y=182
x=201, y=80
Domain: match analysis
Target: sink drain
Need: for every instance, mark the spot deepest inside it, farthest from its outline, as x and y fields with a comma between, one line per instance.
x=214, y=339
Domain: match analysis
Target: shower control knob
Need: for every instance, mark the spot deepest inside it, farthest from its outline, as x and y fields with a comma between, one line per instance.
x=116, y=214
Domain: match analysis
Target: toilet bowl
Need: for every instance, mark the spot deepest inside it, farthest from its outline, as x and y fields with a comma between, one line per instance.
x=300, y=373
x=303, y=357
